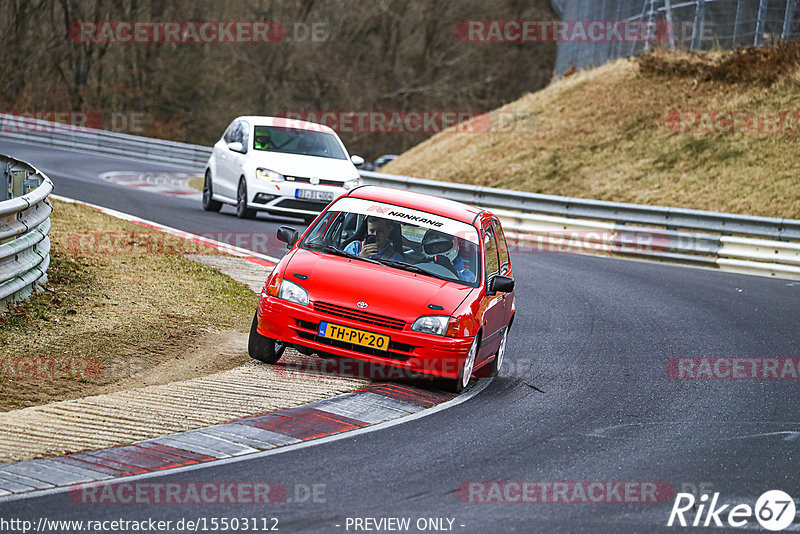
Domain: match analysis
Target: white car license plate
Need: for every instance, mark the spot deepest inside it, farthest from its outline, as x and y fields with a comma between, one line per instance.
x=310, y=194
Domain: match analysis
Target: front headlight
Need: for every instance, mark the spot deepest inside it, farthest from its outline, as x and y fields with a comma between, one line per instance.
x=269, y=176
x=352, y=184
x=293, y=293
x=431, y=324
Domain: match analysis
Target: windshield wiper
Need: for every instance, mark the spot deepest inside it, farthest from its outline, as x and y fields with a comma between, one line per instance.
x=412, y=268
x=330, y=249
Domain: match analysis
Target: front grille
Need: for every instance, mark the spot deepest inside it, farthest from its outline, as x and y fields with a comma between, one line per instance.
x=360, y=316
x=298, y=204
x=301, y=180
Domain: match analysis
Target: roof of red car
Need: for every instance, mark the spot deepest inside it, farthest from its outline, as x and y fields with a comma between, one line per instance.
x=419, y=201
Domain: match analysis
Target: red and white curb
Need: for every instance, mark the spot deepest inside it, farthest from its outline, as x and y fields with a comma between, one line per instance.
x=173, y=184
x=375, y=406
x=255, y=257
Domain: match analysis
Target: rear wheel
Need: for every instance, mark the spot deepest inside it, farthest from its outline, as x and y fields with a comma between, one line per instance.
x=262, y=348
x=209, y=204
x=459, y=384
x=242, y=211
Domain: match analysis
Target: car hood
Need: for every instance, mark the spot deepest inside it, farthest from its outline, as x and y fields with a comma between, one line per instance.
x=305, y=166
x=386, y=290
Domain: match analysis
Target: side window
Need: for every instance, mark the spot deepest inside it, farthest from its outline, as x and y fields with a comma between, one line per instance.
x=244, y=134
x=228, y=137
x=505, y=261
x=490, y=246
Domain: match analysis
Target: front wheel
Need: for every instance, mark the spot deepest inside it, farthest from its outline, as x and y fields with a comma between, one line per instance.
x=262, y=348
x=209, y=204
x=494, y=370
x=459, y=384
x=242, y=211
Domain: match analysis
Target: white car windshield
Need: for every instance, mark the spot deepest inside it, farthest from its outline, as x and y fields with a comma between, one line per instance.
x=297, y=141
x=399, y=237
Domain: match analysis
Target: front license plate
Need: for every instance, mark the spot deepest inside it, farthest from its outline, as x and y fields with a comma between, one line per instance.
x=310, y=194
x=351, y=335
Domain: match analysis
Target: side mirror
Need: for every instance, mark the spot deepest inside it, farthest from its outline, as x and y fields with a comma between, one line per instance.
x=357, y=160
x=503, y=284
x=236, y=146
x=288, y=235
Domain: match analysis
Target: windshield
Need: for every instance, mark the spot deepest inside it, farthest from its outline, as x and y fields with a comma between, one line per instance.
x=431, y=245
x=296, y=141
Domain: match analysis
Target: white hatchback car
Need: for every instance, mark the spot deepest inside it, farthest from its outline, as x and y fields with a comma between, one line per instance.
x=278, y=165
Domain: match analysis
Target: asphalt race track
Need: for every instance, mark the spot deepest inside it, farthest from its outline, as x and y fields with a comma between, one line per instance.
x=584, y=396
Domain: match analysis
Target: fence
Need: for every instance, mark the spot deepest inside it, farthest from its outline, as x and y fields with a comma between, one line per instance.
x=696, y=25
x=24, y=228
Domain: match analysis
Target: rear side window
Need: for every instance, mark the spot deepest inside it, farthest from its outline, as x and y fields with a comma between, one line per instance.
x=502, y=247
x=492, y=259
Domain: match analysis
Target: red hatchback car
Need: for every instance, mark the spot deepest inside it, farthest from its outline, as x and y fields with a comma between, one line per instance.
x=395, y=278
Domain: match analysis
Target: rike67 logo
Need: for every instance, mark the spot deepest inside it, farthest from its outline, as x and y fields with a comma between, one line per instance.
x=774, y=510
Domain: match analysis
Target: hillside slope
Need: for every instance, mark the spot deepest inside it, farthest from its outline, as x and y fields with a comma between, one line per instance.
x=614, y=133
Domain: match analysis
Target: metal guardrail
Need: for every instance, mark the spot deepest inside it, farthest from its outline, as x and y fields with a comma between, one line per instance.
x=24, y=228
x=741, y=243
x=31, y=130
x=547, y=223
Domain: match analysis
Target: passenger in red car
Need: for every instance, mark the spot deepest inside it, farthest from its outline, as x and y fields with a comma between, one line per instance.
x=378, y=244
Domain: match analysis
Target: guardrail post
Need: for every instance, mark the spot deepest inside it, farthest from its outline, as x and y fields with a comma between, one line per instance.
x=758, y=40
x=29, y=183
x=17, y=186
x=699, y=25
x=5, y=182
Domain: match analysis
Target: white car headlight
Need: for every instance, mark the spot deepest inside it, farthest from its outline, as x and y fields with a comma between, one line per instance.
x=293, y=293
x=352, y=184
x=431, y=324
x=269, y=176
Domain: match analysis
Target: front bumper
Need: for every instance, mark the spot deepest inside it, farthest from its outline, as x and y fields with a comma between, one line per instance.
x=416, y=355
x=282, y=196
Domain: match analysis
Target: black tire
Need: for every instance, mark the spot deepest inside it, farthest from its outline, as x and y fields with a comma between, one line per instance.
x=242, y=211
x=459, y=384
x=262, y=348
x=497, y=363
x=209, y=204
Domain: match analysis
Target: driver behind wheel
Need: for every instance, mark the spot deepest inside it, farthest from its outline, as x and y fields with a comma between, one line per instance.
x=443, y=249
x=261, y=141
x=378, y=243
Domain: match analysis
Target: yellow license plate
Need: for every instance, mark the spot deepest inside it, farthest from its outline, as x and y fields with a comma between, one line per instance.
x=351, y=335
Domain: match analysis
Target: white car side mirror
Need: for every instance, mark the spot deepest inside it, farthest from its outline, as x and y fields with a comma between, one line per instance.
x=357, y=160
